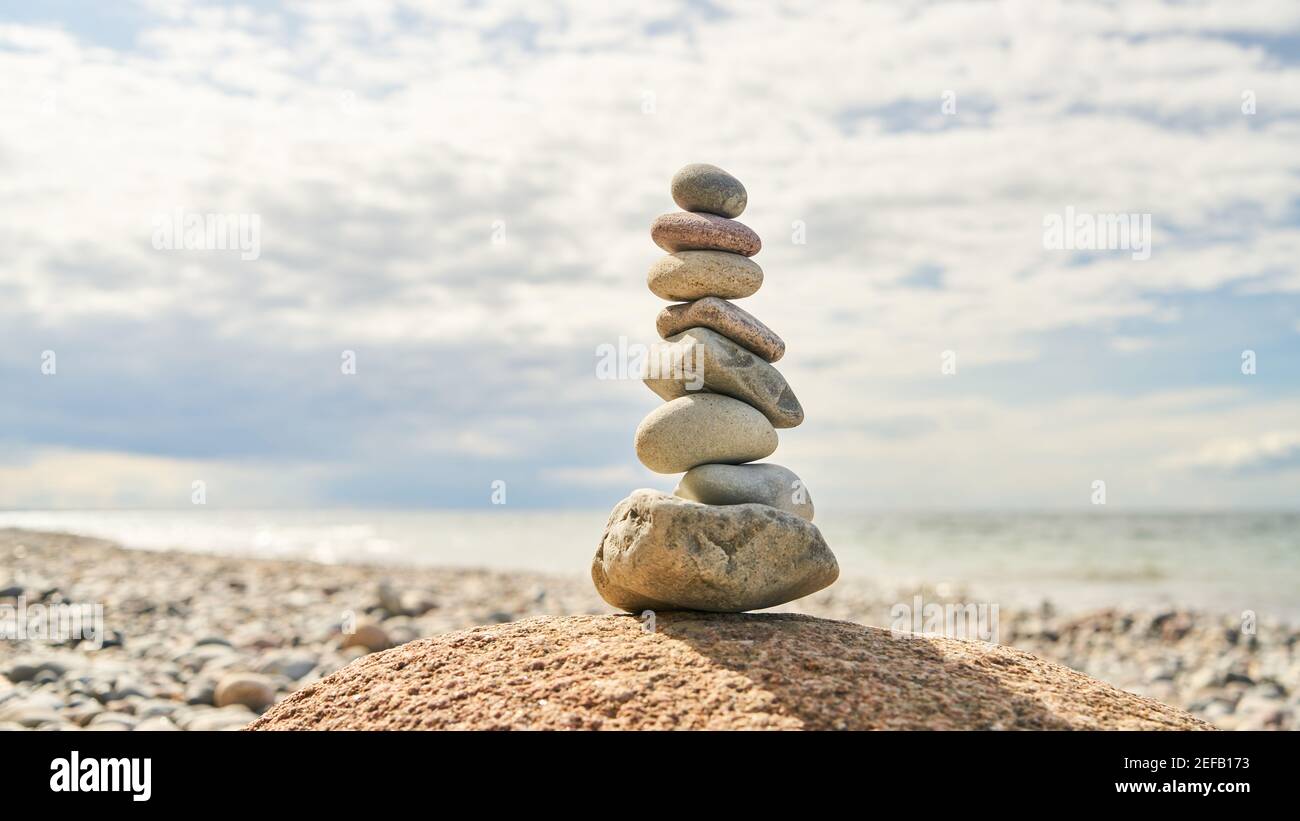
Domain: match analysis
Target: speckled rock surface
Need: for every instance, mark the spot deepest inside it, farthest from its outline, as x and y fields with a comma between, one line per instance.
x=701, y=429
x=703, y=187
x=709, y=671
x=763, y=483
x=701, y=357
x=727, y=319
x=661, y=552
x=684, y=231
x=688, y=275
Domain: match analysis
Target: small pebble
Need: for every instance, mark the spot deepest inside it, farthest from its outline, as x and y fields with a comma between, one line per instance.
x=703, y=187
x=368, y=635
x=248, y=689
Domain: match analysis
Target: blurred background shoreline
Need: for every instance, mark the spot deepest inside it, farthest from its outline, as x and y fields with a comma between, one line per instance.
x=1223, y=562
x=180, y=624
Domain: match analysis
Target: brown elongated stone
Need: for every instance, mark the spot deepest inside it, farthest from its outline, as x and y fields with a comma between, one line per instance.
x=727, y=319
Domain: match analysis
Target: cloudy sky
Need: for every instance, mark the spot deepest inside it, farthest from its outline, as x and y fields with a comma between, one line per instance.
x=460, y=195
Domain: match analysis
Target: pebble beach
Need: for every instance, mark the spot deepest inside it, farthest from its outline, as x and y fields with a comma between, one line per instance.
x=208, y=642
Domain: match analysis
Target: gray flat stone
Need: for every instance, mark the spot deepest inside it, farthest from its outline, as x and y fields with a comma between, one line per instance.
x=764, y=484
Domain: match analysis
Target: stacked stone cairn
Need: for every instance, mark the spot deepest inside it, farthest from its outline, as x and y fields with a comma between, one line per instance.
x=735, y=535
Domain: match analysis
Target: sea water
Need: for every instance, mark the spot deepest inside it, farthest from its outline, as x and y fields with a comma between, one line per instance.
x=1220, y=562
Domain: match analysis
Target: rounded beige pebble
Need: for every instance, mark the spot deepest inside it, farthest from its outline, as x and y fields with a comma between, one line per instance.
x=701, y=430
x=703, y=187
x=367, y=635
x=764, y=484
x=688, y=275
x=249, y=689
x=686, y=231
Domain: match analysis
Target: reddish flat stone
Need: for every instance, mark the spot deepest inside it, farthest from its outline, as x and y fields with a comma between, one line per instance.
x=687, y=231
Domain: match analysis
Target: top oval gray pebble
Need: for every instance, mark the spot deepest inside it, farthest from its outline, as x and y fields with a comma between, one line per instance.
x=703, y=187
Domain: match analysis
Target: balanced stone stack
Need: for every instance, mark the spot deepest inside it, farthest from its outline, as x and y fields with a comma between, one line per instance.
x=734, y=536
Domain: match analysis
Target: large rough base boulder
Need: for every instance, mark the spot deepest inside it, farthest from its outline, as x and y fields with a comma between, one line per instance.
x=708, y=671
x=660, y=552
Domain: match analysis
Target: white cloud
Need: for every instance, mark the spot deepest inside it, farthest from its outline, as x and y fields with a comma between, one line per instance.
x=1131, y=344
x=1275, y=449
x=617, y=475
x=380, y=143
x=90, y=479
x=983, y=453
